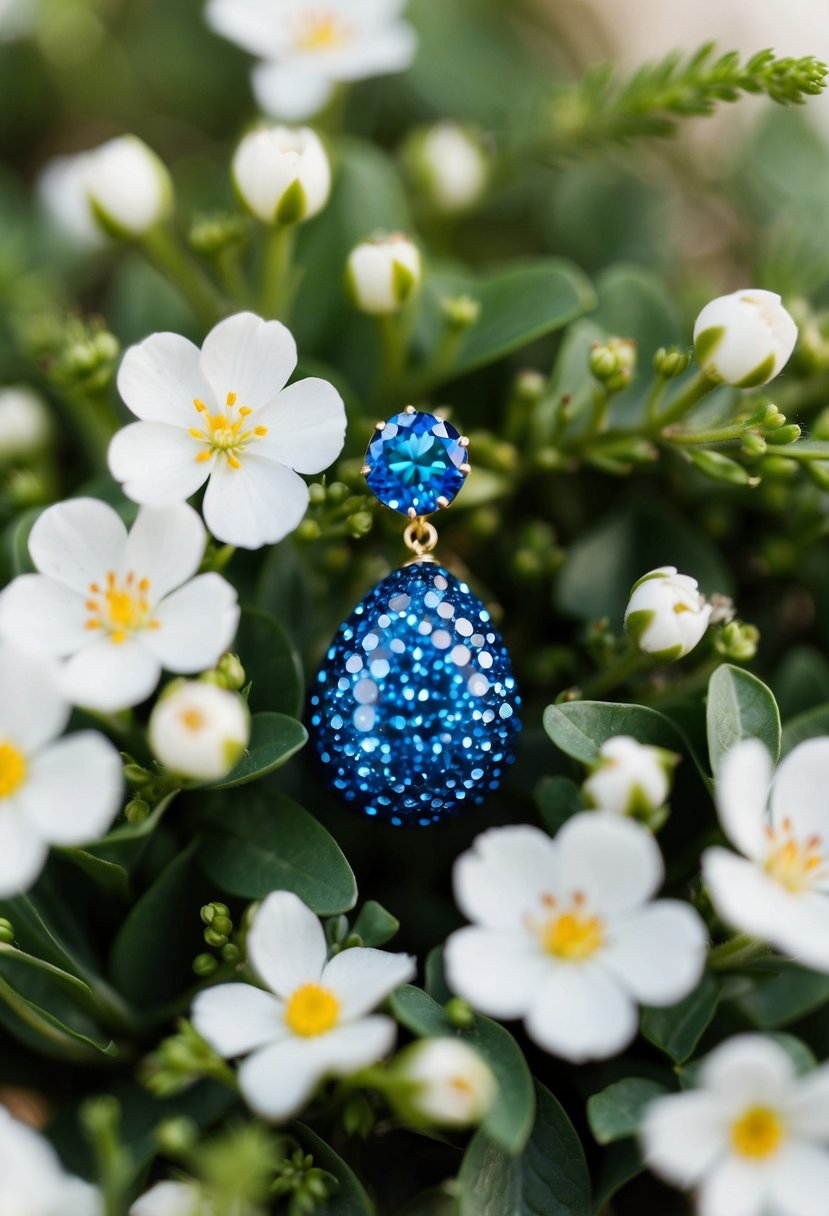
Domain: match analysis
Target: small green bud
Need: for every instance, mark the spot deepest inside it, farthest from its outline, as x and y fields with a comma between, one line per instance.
x=753, y=444
x=212, y=234
x=205, y=965
x=308, y=530
x=360, y=523
x=214, y=938
x=670, y=361
x=721, y=468
x=6, y=931
x=784, y=434
x=136, y=775
x=460, y=1013
x=529, y=387
x=231, y=953
x=316, y=494
x=210, y=911
x=136, y=810
x=613, y=363
x=737, y=641
x=769, y=417
x=337, y=493
x=460, y=312
x=176, y=1137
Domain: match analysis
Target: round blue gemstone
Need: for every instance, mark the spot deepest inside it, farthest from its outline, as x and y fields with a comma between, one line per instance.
x=414, y=461
x=414, y=710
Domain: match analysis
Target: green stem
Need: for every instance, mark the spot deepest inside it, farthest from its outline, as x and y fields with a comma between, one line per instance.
x=393, y=351
x=274, y=295
x=736, y=952
x=627, y=665
x=721, y=434
x=229, y=269
x=440, y=363
x=655, y=398
x=164, y=252
x=681, y=405
x=598, y=419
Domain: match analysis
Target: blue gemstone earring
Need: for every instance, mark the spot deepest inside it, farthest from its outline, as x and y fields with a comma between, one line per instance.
x=414, y=710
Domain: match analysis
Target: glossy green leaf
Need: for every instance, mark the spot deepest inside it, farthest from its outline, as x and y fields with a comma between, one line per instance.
x=621, y=1163
x=349, y=1198
x=739, y=707
x=125, y=844
x=108, y=875
x=616, y=1112
x=775, y=992
x=677, y=1029
x=271, y=664
x=45, y=1032
x=274, y=738
x=579, y=728
x=550, y=1176
x=266, y=842
x=374, y=924
x=74, y=985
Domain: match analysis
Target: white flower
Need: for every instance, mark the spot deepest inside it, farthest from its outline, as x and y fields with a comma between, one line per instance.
x=310, y=45
x=450, y=163
x=32, y=1179
x=120, y=188
x=745, y=338
x=52, y=791
x=223, y=415
x=317, y=1024
x=564, y=934
x=119, y=607
x=169, y=1199
x=449, y=1083
x=667, y=614
x=199, y=730
x=282, y=174
x=383, y=274
x=779, y=889
x=751, y=1139
x=630, y=777
x=24, y=423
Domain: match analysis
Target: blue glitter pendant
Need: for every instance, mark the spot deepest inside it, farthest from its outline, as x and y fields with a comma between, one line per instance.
x=414, y=710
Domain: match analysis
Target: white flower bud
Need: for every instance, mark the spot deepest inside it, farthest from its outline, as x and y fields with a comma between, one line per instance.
x=667, y=614
x=169, y=1199
x=128, y=187
x=61, y=190
x=282, y=174
x=451, y=165
x=450, y=1085
x=383, y=274
x=630, y=778
x=199, y=730
x=745, y=338
x=24, y=423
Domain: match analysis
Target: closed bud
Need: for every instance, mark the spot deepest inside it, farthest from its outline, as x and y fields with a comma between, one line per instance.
x=6, y=931
x=721, y=468
x=667, y=615
x=25, y=425
x=769, y=417
x=752, y=444
x=784, y=434
x=282, y=174
x=210, y=235
x=136, y=810
x=384, y=274
x=449, y=164
x=529, y=387
x=629, y=778
x=737, y=642
x=123, y=185
x=199, y=731
x=460, y=1013
x=360, y=523
x=214, y=938
x=231, y=673
x=670, y=361
x=613, y=362
x=205, y=965
x=460, y=312
x=177, y=1136
x=745, y=338
x=211, y=911
x=442, y=1081
x=316, y=494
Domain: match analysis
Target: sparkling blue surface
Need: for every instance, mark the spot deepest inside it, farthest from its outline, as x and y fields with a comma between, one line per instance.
x=414, y=710
x=414, y=461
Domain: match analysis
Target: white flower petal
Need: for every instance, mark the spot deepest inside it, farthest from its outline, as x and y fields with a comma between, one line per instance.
x=385, y=50
x=161, y=377
x=257, y=504
x=32, y=710
x=503, y=876
x=197, y=623
x=168, y=1199
x=286, y=943
x=614, y=861
x=799, y=790
x=79, y=1198
x=658, y=953
x=736, y=1187
x=496, y=972
x=808, y=1107
x=248, y=23
x=799, y=1181
x=742, y=796
x=237, y=1018
x=362, y=978
x=278, y=1080
x=77, y=542
x=805, y=932
x=32, y=1178
x=306, y=426
x=682, y=1136
x=73, y=789
x=22, y=852
x=43, y=616
x=249, y=357
x=156, y=462
x=355, y=1045
x=748, y=1069
x=109, y=677
x=580, y=1013
x=289, y=90
x=166, y=545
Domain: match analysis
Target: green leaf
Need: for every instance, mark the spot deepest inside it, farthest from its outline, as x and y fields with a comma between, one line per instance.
x=616, y=1112
x=349, y=1199
x=550, y=1177
x=274, y=738
x=271, y=664
x=107, y=874
x=266, y=842
x=776, y=992
x=47, y=1033
x=579, y=728
x=125, y=845
x=809, y=725
x=557, y=799
x=739, y=707
x=66, y=979
x=374, y=924
x=510, y=1119
x=677, y=1029
x=621, y=1163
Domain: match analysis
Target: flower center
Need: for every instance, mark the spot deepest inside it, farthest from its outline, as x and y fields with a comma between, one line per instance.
x=193, y=719
x=312, y=1010
x=572, y=935
x=224, y=433
x=794, y=864
x=321, y=30
x=757, y=1134
x=12, y=769
x=121, y=607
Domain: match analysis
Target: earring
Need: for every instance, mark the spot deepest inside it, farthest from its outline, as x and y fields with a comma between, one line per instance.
x=414, y=710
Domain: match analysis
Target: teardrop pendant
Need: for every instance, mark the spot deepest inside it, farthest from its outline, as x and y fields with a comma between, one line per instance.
x=414, y=710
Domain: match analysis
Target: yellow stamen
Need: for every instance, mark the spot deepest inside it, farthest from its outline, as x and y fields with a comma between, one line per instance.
x=12, y=769
x=192, y=719
x=757, y=1134
x=199, y=404
x=222, y=434
x=202, y=456
x=260, y=431
x=123, y=608
x=572, y=937
x=322, y=31
x=234, y=462
x=312, y=1010
x=231, y=399
x=680, y=607
x=794, y=864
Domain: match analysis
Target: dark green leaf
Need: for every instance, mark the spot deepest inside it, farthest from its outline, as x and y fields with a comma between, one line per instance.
x=557, y=799
x=776, y=992
x=621, y=1163
x=677, y=1029
x=579, y=728
x=809, y=725
x=349, y=1199
x=739, y=707
x=47, y=1033
x=374, y=924
x=549, y=1178
x=125, y=845
x=266, y=842
x=616, y=1112
x=107, y=874
x=271, y=664
x=274, y=738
